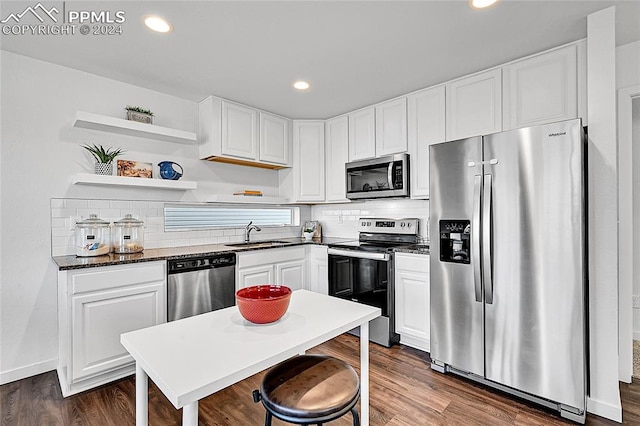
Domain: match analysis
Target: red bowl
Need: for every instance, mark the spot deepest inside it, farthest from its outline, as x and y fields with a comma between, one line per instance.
x=263, y=304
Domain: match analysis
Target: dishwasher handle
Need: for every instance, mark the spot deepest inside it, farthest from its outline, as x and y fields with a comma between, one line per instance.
x=178, y=266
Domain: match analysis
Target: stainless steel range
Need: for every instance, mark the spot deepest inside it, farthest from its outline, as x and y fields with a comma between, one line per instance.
x=363, y=270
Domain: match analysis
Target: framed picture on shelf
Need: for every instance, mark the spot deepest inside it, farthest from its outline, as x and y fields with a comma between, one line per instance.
x=129, y=168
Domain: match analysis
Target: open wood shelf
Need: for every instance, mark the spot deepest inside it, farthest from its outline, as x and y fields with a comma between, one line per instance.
x=224, y=198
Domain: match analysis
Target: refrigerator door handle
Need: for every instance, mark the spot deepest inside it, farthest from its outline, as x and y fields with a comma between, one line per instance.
x=475, y=237
x=486, y=240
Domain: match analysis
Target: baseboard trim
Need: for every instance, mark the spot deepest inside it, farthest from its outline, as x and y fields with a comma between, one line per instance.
x=28, y=371
x=423, y=345
x=604, y=409
x=636, y=335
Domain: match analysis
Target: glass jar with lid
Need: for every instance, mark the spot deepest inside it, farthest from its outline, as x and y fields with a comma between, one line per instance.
x=92, y=237
x=128, y=235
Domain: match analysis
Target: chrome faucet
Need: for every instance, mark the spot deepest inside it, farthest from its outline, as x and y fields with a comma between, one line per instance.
x=248, y=229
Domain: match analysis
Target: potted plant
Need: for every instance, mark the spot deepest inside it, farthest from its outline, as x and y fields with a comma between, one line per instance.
x=104, y=158
x=139, y=114
x=308, y=232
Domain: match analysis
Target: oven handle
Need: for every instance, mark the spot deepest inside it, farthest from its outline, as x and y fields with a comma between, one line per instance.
x=360, y=254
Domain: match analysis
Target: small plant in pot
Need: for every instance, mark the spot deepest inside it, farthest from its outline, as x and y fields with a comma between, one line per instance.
x=104, y=158
x=308, y=233
x=139, y=114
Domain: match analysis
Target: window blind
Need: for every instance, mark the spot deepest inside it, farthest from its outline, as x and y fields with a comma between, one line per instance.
x=181, y=217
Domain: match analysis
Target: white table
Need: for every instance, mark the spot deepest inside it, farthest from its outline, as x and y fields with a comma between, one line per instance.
x=194, y=357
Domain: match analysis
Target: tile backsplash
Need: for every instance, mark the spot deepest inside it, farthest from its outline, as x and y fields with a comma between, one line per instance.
x=340, y=220
x=65, y=212
x=337, y=220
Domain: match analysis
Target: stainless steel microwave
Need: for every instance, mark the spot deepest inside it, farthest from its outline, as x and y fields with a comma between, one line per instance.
x=378, y=178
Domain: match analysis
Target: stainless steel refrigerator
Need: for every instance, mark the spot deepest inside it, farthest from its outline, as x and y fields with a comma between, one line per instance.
x=508, y=269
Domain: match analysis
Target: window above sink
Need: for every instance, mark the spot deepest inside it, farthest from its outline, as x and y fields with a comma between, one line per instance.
x=180, y=217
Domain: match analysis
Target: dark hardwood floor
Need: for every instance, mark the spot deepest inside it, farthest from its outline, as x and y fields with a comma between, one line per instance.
x=404, y=392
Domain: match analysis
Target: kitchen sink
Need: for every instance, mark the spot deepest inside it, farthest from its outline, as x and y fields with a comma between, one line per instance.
x=269, y=243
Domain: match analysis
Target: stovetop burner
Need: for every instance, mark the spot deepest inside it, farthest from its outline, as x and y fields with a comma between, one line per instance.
x=372, y=247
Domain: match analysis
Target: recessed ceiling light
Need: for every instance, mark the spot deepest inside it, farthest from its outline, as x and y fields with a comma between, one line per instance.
x=481, y=4
x=301, y=85
x=158, y=24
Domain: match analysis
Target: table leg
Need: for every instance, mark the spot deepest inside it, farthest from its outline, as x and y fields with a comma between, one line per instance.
x=190, y=414
x=142, y=396
x=364, y=374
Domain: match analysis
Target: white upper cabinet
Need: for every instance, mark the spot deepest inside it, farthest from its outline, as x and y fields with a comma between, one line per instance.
x=362, y=134
x=239, y=131
x=474, y=105
x=274, y=138
x=426, y=126
x=336, y=156
x=233, y=133
x=308, y=168
x=391, y=127
x=541, y=89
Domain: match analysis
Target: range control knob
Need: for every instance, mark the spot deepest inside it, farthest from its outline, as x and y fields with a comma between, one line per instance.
x=409, y=225
x=402, y=224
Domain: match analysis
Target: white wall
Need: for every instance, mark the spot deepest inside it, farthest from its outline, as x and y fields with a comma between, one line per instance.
x=635, y=141
x=39, y=152
x=628, y=65
x=604, y=398
x=628, y=75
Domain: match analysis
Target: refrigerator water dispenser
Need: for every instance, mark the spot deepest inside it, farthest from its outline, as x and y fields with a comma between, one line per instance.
x=455, y=241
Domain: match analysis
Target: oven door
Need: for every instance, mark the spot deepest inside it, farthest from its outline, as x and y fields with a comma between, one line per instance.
x=362, y=277
x=367, y=278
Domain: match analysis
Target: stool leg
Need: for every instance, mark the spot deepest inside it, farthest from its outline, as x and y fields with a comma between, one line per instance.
x=356, y=418
x=267, y=418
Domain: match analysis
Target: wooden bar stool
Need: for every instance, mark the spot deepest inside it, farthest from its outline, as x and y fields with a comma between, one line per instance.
x=309, y=389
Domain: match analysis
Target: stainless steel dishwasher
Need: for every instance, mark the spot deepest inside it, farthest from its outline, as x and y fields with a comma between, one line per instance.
x=199, y=285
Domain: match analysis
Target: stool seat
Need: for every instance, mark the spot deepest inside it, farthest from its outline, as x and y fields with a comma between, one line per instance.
x=310, y=389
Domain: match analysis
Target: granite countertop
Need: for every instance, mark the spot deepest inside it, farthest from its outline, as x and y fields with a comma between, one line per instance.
x=415, y=249
x=150, y=255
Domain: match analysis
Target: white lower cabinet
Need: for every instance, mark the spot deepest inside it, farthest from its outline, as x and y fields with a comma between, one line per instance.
x=412, y=300
x=291, y=273
x=97, y=305
x=318, y=269
x=256, y=275
x=283, y=266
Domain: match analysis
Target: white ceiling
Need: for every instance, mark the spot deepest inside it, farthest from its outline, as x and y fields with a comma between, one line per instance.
x=354, y=53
